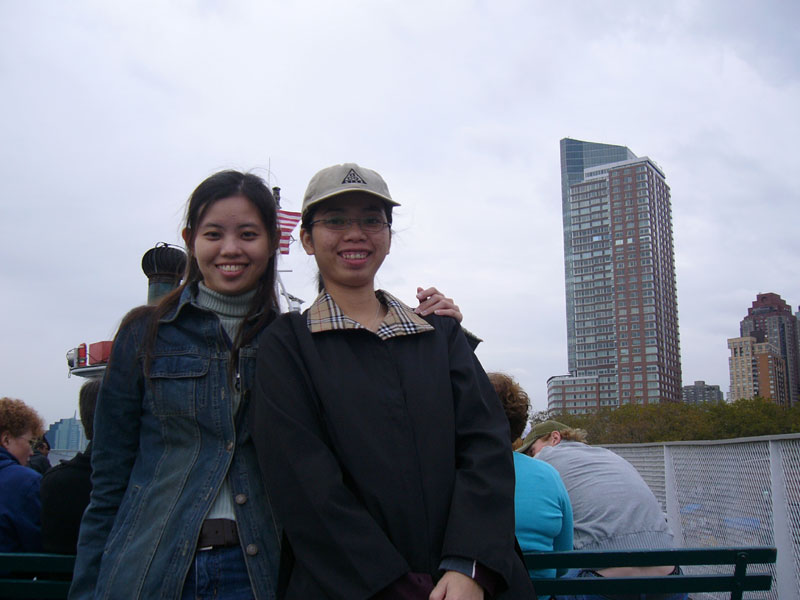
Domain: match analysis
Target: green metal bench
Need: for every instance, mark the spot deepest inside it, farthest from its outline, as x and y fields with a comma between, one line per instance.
x=35, y=575
x=736, y=582
x=48, y=575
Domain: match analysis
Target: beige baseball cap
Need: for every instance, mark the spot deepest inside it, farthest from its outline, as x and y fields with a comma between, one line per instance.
x=340, y=179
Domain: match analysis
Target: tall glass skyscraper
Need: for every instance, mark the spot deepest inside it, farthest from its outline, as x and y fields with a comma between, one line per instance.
x=622, y=323
x=576, y=156
x=67, y=434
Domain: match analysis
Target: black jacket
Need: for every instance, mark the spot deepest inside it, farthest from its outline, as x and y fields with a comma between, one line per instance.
x=39, y=462
x=65, y=493
x=383, y=457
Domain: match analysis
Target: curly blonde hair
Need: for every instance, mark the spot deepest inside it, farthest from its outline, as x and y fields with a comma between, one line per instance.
x=17, y=418
x=515, y=402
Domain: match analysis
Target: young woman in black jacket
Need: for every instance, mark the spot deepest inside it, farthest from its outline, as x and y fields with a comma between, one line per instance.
x=379, y=428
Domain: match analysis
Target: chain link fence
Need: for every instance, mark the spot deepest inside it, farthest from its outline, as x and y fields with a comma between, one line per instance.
x=742, y=492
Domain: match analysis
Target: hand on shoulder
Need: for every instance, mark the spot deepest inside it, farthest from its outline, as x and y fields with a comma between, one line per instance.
x=432, y=301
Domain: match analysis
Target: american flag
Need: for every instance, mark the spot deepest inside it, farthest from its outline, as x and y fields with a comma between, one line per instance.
x=287, y=220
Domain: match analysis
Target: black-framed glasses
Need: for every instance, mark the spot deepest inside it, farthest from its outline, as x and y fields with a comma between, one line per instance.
x=368, y=224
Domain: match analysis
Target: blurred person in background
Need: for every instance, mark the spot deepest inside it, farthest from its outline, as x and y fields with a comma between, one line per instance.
x=39, y=461
x=65, y=488
x=613, y=508
x=543, y=513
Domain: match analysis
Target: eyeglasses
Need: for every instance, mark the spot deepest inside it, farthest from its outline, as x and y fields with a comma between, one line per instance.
x=368, y=224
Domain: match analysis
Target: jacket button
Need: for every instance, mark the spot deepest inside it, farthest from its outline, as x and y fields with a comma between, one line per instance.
x=229, y=447
x=240, y=498
x=251, y=549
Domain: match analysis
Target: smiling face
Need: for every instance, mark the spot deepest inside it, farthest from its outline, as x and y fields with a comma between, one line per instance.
x=231, y=246
x=351, y=257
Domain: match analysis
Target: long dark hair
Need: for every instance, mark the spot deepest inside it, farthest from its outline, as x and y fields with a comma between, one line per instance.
x=225, y=184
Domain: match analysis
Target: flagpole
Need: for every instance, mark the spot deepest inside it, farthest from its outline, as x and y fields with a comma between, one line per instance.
x=292, y=302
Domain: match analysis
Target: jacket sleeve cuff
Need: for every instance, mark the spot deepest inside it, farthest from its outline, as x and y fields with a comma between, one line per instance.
x=482, y=575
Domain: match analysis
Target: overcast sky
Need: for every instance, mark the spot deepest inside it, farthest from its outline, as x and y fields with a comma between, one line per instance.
x=113, y=112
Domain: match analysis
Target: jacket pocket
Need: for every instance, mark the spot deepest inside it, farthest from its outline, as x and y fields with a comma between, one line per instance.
x=177, y=381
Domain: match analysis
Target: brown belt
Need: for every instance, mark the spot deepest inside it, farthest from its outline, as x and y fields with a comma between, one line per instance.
x=218, y=533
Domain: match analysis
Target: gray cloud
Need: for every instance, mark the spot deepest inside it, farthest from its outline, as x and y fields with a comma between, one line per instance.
x=113, y=113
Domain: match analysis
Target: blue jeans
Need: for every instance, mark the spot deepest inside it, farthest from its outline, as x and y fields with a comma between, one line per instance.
x=218, y=574
x=589, y=573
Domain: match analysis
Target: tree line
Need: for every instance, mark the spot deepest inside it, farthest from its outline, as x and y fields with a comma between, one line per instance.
x=676, y=421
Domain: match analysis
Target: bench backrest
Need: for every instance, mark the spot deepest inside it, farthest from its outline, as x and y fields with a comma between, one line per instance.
x=53, y=572
x=35, y=575
x=736, y=582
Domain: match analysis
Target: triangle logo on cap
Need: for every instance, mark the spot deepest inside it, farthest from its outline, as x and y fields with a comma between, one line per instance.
x=353, y=177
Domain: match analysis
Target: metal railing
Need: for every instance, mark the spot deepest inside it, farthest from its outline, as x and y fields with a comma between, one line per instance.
x=737, y=492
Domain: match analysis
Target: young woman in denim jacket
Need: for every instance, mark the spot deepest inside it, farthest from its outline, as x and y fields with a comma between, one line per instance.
x=178, y=508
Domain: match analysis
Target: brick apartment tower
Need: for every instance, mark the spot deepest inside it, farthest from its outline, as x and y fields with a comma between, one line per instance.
x=622, y=315
x=770, y=315
x=757, y=369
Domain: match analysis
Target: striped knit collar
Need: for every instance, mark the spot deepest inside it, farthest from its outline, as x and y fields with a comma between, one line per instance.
x=325, y=315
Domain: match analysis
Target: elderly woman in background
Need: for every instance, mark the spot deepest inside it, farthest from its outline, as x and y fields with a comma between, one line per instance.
x=19, y=503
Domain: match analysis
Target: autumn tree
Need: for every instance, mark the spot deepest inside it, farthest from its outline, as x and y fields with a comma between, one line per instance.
x=674, y=421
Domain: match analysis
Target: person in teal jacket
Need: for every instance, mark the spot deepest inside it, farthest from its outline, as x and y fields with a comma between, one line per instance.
x=542, y=509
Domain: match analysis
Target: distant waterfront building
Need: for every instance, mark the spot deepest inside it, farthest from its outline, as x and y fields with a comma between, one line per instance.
x=565, y=393
x=770, y=315
x=756, y=369
x=67, y=434
x=622, y=316
x=701, y=392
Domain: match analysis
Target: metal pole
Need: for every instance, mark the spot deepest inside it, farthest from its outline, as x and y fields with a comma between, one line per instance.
x=673, y=507
x=785, y=573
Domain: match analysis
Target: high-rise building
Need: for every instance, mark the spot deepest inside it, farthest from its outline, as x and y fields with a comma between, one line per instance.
x=622, y=316
x=67, y=434
x=757, y=369
x=770, y=315
x=576, y=157
x=700, y=391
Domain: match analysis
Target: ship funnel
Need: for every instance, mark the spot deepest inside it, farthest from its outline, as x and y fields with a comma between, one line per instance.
x=164, y=266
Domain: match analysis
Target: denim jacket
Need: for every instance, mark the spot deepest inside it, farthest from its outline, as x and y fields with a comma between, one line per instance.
x=162, y=448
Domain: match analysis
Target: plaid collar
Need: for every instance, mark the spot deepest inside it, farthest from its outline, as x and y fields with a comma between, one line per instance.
x=325, y=315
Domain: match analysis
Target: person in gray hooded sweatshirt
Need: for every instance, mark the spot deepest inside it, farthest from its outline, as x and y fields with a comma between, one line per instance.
x=613, y=509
